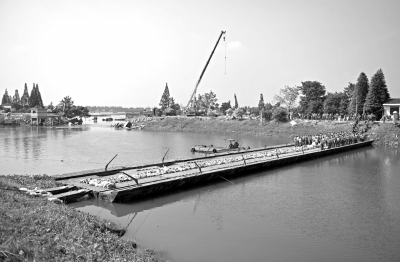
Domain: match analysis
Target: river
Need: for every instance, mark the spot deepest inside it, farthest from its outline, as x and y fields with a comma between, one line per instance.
x=336, y=208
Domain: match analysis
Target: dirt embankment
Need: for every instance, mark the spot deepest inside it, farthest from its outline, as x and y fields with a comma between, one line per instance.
x=379, y=131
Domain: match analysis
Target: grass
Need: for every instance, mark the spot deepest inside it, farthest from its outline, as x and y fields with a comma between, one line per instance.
x=35, y=229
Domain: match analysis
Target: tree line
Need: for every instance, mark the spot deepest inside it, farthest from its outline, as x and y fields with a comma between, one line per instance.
x=26, y=101
x=311, y=98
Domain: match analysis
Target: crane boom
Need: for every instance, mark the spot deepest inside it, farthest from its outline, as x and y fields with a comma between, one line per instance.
x=202, y=73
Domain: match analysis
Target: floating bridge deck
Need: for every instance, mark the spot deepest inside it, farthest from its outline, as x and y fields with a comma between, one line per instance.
x=193, y=171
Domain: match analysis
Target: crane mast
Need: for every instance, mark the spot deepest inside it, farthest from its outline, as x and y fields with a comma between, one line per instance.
x=193, y=96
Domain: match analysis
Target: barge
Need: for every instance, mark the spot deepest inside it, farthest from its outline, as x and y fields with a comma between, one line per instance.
x=134, y=182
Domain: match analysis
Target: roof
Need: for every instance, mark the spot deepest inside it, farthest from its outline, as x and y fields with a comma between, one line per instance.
x=392, y=101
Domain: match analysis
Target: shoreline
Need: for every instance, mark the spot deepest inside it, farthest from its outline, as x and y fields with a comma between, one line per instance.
x=383, y=133
x=36, y=229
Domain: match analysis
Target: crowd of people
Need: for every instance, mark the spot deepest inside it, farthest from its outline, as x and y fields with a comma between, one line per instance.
x=337, y=117
x=331, y=139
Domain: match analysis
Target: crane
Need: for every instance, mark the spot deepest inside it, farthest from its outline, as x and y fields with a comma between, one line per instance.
x=193, y=96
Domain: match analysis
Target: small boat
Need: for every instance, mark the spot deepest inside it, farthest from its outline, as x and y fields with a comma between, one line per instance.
x=232, y=147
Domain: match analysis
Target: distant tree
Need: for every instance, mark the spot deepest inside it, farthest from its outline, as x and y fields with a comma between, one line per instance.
x=16, y=99
x=17, y=106
x=332, y=103
x=280, y=114
x=207, y=100
x=165, y=98
x=359, y=94
x=171, y=101
x=236, y=102
x=66, y=103
x=238, y=112
x=346, y=99
x=254, y=111
x=39, y=97
x=225, y=106
x=6, y=98
x=25, y=96
x=288, y=97
x=229, y=111
x=51, y=106
x=79, y=111
x=313, y=97
x=268, y=106
x=261, y=104
x=377, y=94
x=267, y=115
x=33, y=97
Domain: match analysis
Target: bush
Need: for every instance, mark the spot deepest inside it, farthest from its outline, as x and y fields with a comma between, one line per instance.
x=280, y=114
x=238, y=113
x=210, y=112
x=267, y=115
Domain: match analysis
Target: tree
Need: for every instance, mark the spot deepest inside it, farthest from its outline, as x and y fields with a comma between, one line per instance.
x=268, y=106
x=66, y=103
x=280, y=114
x=359, y=94
x=35, y=99
x=377, y=93
x=79, y=111
x=6, y=98
x=238, y=113
x=288, y=97
x=347, y=97
x=51, y=107
x=236, y=102
x=165, y=98
x=225, y=106
x=207, y=101
x=229, y=111
x=261, y=104
x=16, y=99
x=332, y=104
x=39, y=96
x=313, y=97
x=25, y=97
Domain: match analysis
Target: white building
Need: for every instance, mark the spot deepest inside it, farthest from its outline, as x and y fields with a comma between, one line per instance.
x=391, y=105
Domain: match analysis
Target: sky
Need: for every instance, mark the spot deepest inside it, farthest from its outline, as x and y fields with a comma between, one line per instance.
x=123, y=52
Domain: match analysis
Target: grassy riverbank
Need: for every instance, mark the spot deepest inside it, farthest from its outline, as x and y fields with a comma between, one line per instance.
x=35, y=229
x=382, y=132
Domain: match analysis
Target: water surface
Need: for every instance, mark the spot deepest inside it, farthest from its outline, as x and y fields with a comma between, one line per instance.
x=336, y=208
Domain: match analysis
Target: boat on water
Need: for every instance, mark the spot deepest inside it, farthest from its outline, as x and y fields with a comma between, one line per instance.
x=233, y=146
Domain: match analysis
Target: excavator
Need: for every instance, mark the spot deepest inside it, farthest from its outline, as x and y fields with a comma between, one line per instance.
x=191, y=109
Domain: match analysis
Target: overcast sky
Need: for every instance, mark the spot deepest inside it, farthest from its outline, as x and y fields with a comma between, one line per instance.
x=122, y=53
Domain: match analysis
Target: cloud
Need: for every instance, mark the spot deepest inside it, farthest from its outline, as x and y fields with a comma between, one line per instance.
x=235, y=45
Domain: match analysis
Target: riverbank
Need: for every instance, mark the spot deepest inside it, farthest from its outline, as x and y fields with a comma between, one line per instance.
x=35, y=229
x=379, y=131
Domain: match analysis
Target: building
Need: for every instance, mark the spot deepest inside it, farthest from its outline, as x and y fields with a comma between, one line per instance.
x=40, y=115
x=391, y=105
x=8, y=106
